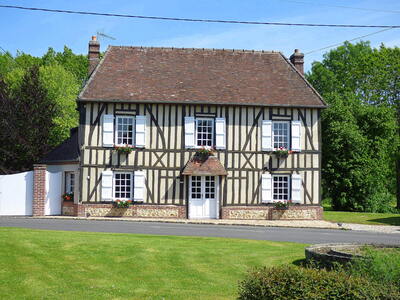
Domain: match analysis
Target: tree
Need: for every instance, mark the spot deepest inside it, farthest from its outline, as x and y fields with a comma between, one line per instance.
x=62, y=74
x=360, y=133
x=26, y=116
x=62, y=88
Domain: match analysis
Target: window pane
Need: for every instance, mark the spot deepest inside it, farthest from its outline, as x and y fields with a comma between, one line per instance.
x=125, y=130
x=205, y=130
x=281, y=134
x=122, y=185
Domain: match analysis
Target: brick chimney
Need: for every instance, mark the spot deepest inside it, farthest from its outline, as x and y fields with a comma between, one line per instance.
x=94, y=54
x=297, y=59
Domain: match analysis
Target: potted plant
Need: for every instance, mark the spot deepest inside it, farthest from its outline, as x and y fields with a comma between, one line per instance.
x=204, y=152
x=282, y=152
x=122, y=203
x=68, y=196
x=284, y=204
x=124, y=149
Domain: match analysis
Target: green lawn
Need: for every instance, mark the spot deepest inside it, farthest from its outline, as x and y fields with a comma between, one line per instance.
x=362, y=218
x=36, y=264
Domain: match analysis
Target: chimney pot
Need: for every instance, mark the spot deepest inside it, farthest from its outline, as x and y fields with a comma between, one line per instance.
x=297, y=59
x=94, y=54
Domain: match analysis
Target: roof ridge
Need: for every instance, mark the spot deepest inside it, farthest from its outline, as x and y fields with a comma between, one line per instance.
x=201, y=49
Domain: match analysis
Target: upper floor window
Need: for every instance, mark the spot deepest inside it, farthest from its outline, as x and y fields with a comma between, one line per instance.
x=280, y=134
x=69, y=182
x=204, y=132
x=124, y=130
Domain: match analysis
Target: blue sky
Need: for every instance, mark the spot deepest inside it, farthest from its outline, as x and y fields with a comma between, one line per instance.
x=33, y=32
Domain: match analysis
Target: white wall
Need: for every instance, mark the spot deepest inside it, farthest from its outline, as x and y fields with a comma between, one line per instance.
x=16, y=194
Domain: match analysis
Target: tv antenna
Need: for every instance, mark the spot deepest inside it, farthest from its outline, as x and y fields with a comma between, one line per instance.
x=102, y=35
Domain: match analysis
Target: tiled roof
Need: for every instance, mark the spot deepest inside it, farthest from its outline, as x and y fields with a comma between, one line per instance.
x=67, y=151
x=172, y=75
x=211, y=166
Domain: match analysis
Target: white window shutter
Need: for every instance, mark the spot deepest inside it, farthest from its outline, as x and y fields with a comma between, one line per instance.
x=140, y=131
x=106, y=185
x=296, y=188
x=266, y=188
x=296, y=136
x=138, y=188
x=220, y=133
x=266, y=135
x=189, y=132
x=108, y=131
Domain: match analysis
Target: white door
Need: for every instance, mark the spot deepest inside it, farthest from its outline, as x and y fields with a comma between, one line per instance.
x=203, y=197
x=53, y=193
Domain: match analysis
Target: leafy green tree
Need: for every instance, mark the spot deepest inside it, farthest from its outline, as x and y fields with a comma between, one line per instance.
x=360, y=127
x=62, y=75
x=26, y=117
x=62, y=88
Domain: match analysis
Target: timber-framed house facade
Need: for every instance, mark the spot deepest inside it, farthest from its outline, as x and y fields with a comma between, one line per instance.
x=198, y=133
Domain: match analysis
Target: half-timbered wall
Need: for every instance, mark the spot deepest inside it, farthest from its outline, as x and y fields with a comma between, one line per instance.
x=165, y=156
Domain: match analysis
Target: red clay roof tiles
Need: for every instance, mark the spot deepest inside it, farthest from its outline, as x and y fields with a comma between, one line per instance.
x=174, y=75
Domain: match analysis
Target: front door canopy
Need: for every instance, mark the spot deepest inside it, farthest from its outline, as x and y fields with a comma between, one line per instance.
x=209, y=166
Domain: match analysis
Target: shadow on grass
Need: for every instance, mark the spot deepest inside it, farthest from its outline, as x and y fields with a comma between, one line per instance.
x=299, y=262
x=389, y=220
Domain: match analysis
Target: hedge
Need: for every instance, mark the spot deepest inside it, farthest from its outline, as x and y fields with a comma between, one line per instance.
x=290, y=282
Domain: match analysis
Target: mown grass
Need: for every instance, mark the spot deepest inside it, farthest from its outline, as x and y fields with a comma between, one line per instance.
x=38, y=264
x=362, y=218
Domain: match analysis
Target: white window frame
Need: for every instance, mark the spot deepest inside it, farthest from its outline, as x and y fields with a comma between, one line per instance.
x=67, y=187
x=117, y=117
x=114, y=185
x=289, y=188
x=212, y=132
x=288, y=134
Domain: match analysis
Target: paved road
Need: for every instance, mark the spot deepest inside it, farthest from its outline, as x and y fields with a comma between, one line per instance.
x=300, y=235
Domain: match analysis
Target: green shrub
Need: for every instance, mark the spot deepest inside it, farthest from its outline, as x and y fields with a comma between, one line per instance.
x=381, y=265
x=290, y=282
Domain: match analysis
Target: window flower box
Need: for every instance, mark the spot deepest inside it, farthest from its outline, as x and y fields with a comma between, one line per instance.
x=204, y=152
x=68, y=197
x=282, y=152
x=122, y=203
x=284, y=204
x=125, y=149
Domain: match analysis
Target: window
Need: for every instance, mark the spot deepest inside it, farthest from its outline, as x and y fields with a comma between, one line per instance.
x=122, y=185
x=196, y=187
x=280, y=134
x=69, y=182
x=210, y=187
x=281, y=187
x=204, y=132
x=124, y=130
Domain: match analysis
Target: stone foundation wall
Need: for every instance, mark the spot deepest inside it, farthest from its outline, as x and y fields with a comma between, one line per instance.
x=295, y=212
x=136, y=210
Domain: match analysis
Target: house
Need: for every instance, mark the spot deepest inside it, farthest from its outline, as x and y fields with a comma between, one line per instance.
x=149, y=118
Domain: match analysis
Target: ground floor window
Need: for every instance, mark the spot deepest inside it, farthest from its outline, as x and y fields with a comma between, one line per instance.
x=281, y=187
x=69, y=182
x=123, y=182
